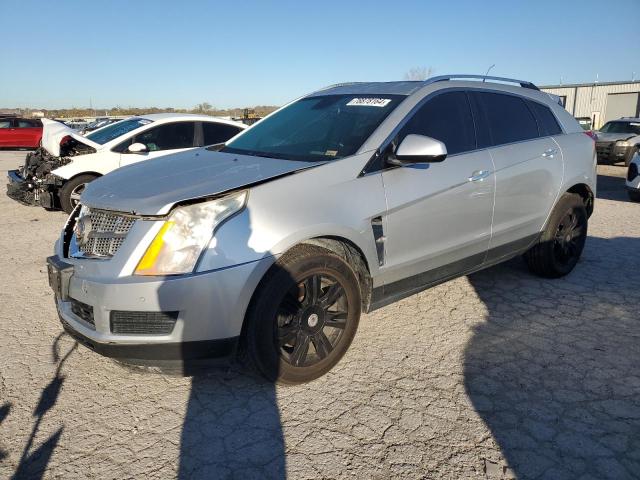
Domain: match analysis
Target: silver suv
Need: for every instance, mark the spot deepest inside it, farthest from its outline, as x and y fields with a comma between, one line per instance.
x=339, y=203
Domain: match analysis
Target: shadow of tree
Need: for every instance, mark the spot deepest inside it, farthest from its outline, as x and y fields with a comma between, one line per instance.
x=32, y=464
x=555, y=370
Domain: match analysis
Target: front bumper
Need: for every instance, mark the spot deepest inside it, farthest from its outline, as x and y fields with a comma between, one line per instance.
x=19, y=189
x=210, y=310
x=609, y=152
x=25, y=192
x=156, y=353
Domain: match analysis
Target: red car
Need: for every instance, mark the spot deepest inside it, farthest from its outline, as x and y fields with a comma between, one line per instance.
x=20, y=132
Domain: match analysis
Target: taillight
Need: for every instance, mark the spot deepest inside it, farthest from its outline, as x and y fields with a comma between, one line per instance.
x=591, y=134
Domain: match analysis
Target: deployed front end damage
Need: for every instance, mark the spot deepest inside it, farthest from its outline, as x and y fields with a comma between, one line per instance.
x=34, y=183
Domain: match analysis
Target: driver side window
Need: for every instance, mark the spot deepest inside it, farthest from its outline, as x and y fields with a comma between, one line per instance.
x=168, y=137
x=163, y=137
x=446, y=117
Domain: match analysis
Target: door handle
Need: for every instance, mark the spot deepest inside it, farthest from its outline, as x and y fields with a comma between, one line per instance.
x=479, y=175
x=550, y=153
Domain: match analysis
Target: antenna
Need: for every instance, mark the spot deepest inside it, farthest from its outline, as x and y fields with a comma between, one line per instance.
x=488, y=70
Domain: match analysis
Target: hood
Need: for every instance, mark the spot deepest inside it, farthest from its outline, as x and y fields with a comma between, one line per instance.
x=613, y=137
x=153, y=187
x=53, y=132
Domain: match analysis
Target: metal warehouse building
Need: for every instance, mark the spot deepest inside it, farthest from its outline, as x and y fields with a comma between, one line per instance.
x=599, y=102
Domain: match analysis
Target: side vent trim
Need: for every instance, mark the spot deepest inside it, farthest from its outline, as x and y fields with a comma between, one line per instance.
x=378, y=236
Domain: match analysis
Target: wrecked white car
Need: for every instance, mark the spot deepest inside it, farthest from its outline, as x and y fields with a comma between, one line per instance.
x=55, y=174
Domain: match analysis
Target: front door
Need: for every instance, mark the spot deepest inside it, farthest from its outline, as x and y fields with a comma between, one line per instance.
x=161, y=140
x=438, y=222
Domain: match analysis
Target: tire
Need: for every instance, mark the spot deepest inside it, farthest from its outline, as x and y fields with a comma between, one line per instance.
x=302, y=317
x=634, y=196
x=70, y=192
x=560, y=245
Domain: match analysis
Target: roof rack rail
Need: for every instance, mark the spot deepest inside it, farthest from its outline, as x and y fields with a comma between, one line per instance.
x=443, y=78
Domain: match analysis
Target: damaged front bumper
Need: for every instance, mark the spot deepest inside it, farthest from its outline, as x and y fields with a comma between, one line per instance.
x=33, y=183
x=34, y=191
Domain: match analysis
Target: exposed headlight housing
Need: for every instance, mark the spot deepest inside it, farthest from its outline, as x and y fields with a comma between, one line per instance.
x=622, y=143
x=176, y=248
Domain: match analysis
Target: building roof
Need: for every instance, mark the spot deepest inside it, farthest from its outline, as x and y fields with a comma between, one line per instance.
x=591, y=84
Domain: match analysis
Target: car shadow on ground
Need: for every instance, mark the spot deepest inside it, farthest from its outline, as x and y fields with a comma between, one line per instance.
x=554, y=371
x=611, y=187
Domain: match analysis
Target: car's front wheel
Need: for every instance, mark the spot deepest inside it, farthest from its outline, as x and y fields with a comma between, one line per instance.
x=71, y=191
x=634, y=195
x=303, y=316
x=560, y=245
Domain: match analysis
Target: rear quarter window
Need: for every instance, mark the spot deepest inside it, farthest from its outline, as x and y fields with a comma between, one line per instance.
x=546, y=119
x=218, y=132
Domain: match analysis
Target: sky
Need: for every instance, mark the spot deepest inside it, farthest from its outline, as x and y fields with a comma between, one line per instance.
x=234, y=54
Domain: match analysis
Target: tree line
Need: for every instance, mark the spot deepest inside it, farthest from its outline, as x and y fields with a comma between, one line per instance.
x=202, y=108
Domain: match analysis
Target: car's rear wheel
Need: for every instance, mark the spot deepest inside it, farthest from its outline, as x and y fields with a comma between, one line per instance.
x=71, y=191
x=303, y=316
x=562, y=241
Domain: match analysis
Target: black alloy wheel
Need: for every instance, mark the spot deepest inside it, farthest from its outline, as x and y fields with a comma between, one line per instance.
x=303, y=316
x=569, y=238
x=311, y=319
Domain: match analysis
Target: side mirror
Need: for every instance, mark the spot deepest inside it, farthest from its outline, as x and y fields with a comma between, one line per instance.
x=137, y=148
x=419, y=149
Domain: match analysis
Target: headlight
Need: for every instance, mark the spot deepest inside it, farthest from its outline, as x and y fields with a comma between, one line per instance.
x=184, y=235
x=622, y=143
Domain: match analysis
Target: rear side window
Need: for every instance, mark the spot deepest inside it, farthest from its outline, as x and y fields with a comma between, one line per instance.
x=5, y=123
x=507, y=117
x=546, y=120
x=446, y=117
x=218, y=132
x=27, y=124
x=168, y=136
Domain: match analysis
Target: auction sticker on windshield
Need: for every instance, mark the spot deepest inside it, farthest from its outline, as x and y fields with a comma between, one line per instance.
x=369, y=102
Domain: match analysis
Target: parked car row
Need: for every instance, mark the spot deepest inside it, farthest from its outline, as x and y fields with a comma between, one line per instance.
x=270, y=246
x=55, y=175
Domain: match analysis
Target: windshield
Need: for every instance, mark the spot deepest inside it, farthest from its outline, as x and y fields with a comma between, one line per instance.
x=621, y=127
x=316, y=128
x=117, y=129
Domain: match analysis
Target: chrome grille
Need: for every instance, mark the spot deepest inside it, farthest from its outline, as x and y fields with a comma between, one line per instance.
x=100, y=233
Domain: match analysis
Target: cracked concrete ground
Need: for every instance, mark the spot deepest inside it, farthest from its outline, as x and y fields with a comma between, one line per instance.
x=496, y=375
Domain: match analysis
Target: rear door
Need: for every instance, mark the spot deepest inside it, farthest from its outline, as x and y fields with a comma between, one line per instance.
x=439, y=214
x=160, y=140
x=528, y=169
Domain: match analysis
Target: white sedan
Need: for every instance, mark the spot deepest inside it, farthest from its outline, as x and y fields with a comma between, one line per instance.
x=56, y=174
